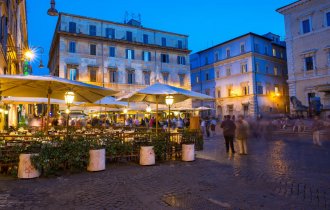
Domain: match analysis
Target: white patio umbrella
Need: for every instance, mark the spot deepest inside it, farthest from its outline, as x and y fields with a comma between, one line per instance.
x=157, y=93
x=50, y=87
x=202, y=108
x=29, y=100
x=108, y=102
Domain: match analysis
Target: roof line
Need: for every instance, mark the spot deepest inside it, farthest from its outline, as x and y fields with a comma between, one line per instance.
x=289, y=6
x=233, y=39
x=121, y=24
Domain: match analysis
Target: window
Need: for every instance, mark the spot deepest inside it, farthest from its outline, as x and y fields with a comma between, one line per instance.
x=113, y=76
x=219, y=93
x=197, y=79
x=112, y=52
x=260, y=88
x=306, y=27
x=130, y=77
x=73, y=74
x=207, y=92
x=206, y=60
x=257, y=67
x=282, y=54
x=274, y=52
x=181, y=60
x=92, y=74
x=163, y=41
x=146, y=56
x=244, y=68
x=207, y=76
x=181, y=78
x=147, y=78
x=256, y=48
x=245, y=90
x=275, y=70
x=327, y=16
x=228, y=53
x=218, y=74
x=242, y=48
x=276, y=89
x=309, y=65
x=229, y=91
x=129, y=36
x=145, y=38
x=179, y=44
x=165, y=58
x=110, y=33
x=72, y=27
x=72, y=47
x=216, y=56
x=92, y=49
x=92, y=30
x=228, y=71
x=165, y=77
x=130, y=54
x=266, y=50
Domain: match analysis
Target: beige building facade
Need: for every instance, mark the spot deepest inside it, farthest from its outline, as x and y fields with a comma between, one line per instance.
x=307, y=26
x=121, y=56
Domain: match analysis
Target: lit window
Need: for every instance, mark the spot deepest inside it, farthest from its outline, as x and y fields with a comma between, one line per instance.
x=146, y=56
x=275, y=71
x=197, y=79
x=130, y=54
x=73, y=74
x=274, y=52
x=276, y=89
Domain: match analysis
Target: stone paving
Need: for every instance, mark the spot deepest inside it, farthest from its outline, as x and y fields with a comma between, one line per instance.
x=281, y=173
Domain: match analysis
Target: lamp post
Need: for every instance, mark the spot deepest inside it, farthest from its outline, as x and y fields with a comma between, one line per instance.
x=69, y=97
x=169, y=101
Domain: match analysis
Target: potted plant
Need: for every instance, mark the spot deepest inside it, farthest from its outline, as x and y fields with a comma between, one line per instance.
x=96, y=156
x=147, y=153
x=188, y=148
x=26, y=170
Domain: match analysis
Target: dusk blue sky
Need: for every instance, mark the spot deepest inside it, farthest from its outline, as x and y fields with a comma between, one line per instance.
x=206, y=22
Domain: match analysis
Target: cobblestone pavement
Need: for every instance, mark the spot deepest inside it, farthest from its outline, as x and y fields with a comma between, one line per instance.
x=277, y=174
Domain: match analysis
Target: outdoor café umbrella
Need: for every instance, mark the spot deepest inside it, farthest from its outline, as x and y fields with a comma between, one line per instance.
x=108, y=102
x=157, y=93
x=29, y=100
x=50, y=87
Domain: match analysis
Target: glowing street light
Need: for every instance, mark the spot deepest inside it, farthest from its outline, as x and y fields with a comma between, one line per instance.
x=148, y=109
x=125, y=111
x=29, y=55
x=68, y=97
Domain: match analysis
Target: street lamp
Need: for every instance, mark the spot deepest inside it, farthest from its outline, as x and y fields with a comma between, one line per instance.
x=52, y=11
x=148, y=109
x=169, y=101
x=69, y=97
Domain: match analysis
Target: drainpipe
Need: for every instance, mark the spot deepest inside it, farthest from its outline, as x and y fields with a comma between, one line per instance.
x=254, y=82
x=102, y=54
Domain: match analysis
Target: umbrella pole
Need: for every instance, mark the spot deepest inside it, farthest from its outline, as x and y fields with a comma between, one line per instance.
x=157, y=115
x=48, y=110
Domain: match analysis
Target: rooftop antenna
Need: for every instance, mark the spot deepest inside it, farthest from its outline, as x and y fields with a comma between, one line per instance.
x=125, y=17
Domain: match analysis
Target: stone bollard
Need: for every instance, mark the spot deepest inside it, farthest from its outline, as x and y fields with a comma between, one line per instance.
x=96, y=160
x=25, y=168
x=188, y=152
x=147, y=156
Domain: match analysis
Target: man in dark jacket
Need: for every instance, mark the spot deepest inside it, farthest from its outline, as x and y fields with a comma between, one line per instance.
x=229, y=128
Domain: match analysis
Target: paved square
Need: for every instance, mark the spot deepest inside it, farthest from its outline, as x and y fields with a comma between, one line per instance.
x=289, y=173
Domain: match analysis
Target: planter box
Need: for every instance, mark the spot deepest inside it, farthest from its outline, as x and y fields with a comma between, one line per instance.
x=147, y=156
x=96, y=160
x=188, y=152
x=25, y=168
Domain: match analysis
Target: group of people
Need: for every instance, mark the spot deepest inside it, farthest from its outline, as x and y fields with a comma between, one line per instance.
x=175, y=122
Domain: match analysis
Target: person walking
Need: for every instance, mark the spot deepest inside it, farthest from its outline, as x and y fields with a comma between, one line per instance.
x=242, y=133
x=317, y=127
x=213, y=124
x=229, y=128
x=203, y=124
